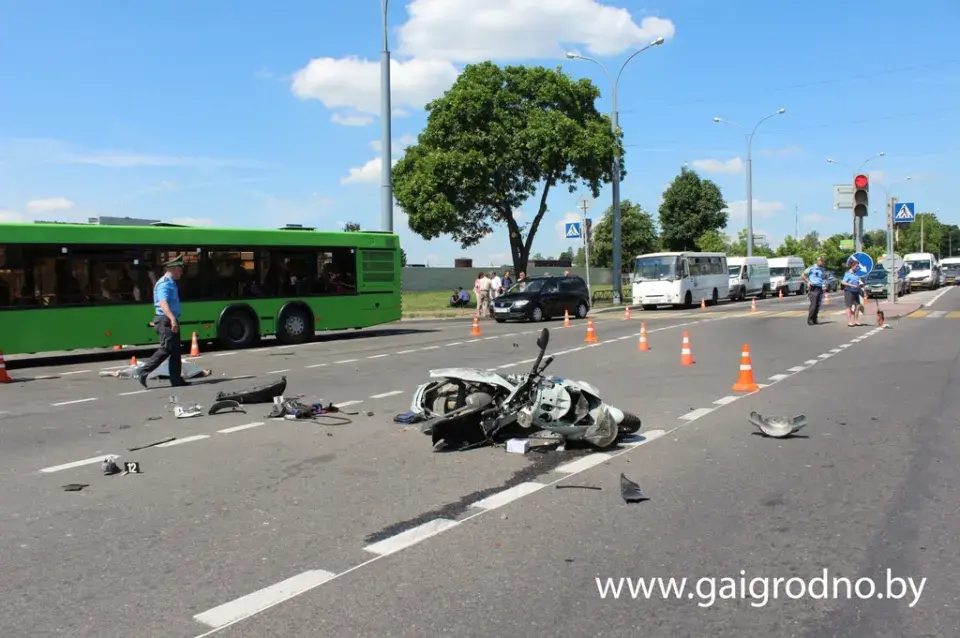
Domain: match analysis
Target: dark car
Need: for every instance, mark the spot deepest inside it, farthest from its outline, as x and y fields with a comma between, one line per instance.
x=830, y=282
x=875, y=283
x=541, y=298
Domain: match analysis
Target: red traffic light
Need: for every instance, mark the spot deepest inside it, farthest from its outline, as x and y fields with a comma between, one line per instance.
x=861, y=181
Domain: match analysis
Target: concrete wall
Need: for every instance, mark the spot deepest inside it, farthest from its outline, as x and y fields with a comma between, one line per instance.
x=430, y=279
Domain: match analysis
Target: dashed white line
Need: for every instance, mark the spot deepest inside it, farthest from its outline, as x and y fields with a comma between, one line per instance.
x=320, y=365
x=834, y=351
x=824, y=356
x=581, y=464
x=810, y=362
x=346, y=361
x=224, y=354
x=74, y=402
x=411, y=536
x=937, y=296
x=384, y=395
x=430, y=348
x=778, y=377
x=70, y=466
x=378, y=356
x=278, y=371
x=131, y=393
x=797, y=369
x=189, y=439
x=404, y=351
x=507, y=496
x=63, y=374
x=726, y=400
x=693, y=415
x=238, y=428
x=260, y=600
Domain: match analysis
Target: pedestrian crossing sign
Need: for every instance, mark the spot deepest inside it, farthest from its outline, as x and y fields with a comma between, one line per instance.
x=572, y=230
x=903, y=213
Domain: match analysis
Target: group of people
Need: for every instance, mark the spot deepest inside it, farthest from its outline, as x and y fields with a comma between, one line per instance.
x=487, y=287
x=851, y=284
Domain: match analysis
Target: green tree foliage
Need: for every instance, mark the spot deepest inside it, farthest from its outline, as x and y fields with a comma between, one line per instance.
x=566, y=254
x=580, y=259
x=691, y=206
x=351, y=227
x=491, y=141
x=713, y=241
x=950, y=240
x=637, y=235
x=403, y=258
x=910, y=235
x=739, y=247
x=538, y=257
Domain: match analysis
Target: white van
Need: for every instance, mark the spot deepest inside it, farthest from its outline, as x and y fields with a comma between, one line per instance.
x=679, y=279
x=749, y=277
x=785, y=275
x=924, y=270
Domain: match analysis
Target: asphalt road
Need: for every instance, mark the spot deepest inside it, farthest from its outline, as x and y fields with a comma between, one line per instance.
x=301, y=528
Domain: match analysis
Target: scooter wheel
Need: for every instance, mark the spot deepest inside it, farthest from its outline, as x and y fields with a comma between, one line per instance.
x=631, y=423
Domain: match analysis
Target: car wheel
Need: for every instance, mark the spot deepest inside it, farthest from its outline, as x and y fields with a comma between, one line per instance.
x=688, y=300
x=582, y=310
x=536, y=314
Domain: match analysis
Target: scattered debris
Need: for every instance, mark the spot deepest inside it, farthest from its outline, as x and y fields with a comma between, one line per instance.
x=220, y=406
x=109, y=467
x=154, y=418
x=779, y=427
x=518, y=446
x=409, y=418
x=630, y=491
x=144, y=447
x=258, y=394
x=125, y=427
x=579, y=487
x=185, y=413
x=74, y=487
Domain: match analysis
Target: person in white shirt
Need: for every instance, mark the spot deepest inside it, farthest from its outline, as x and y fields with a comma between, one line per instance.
x=496, y=286
x=482, y=288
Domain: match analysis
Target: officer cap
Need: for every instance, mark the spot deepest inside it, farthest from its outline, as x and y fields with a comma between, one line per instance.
x=176, y=262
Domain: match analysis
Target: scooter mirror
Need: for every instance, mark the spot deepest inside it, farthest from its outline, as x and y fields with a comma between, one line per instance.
x=543, y=339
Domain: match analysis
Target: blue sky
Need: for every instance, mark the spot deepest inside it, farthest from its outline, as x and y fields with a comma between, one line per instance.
x=257, y=114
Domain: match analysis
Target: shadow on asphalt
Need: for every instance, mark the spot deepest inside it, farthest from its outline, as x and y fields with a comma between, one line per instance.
x=108, y=356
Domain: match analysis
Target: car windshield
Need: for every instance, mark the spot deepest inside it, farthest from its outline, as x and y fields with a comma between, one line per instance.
x=778, y=272
x=733, y=271
x=952, y=268
x=920, y=265
x=527, y=285
x=877, y=275
x=655, y=268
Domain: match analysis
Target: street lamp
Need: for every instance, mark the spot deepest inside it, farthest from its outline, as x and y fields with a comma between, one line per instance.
x=749, y=138
x=386, y=161
x=615, y=122
x=857, y=225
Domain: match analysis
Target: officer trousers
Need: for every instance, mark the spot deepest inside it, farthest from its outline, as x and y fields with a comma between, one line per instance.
x=816, y=297
x=170, y=347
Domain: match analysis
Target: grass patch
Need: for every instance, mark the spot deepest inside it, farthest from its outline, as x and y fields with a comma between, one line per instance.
x=436, y=303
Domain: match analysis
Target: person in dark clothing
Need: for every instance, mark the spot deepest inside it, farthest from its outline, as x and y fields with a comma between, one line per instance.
x=166, y=303
x=813, y=277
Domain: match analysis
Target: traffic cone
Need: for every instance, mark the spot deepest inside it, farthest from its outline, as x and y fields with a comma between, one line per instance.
x=780, y=295
x=626, y=313
x=591, y=333
x=4, y=377
x=566, y=318
x=475, y=332
x=703, y=303
x=133, y=361
x=753, y=305
x=745, y=382
x=826, y=298
x=686, y=355
x=642, y=345
x=194, y=346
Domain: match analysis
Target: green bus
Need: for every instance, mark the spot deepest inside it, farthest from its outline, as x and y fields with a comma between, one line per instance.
x=237, y=285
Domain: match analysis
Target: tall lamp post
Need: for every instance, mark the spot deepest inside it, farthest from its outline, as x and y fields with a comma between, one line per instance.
x=615, y=121
x=749, y=139
x=386, y=161
x=857, y=224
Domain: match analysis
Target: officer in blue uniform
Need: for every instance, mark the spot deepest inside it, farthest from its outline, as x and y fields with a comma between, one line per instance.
x=813, y=277
x=166, y=303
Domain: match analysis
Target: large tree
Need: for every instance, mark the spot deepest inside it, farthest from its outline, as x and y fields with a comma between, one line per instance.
x=691, y=206
x=491, y=142
x=638, y=235
x=910, y=240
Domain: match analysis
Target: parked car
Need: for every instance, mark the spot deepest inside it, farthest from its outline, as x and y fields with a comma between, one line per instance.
x=951, y=273
x=830, y=282
x=541, y=298
x=875, y=284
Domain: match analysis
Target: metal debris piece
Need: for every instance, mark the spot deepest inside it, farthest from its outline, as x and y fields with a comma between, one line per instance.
x=630, y=491
x=144, y=447
x=185, y=413
x=75, y=487
x=220, y=406
x=579, y=487
x=109, y=467
x=778, y=427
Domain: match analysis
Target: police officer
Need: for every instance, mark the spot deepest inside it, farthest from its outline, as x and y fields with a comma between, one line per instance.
x=813, y=277
x=166, y=303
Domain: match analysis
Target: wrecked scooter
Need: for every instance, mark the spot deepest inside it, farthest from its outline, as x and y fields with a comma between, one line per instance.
x=469, y=407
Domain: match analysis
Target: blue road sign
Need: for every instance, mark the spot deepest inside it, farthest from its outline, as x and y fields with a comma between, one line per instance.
x=903, y=213
x=572, y=230
x=866, y=263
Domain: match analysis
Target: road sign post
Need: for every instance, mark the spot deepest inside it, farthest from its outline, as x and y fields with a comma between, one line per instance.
x=586, y=225
x=904, y=213
x=892, y=274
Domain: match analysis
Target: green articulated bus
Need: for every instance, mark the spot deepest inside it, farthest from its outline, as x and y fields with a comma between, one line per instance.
x=80, y=286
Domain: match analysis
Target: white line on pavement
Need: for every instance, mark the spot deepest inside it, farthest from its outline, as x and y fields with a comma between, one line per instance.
x=70, y=466
x=238, y=428
x=74, y=401
x=189, y=439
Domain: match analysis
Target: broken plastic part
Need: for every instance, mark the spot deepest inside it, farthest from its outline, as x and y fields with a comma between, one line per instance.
x=220, y=406
x=186, y=413
x=630, y=491
x=778, y=427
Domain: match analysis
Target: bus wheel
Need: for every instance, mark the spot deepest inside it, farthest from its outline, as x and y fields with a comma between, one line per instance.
x=294, y=325
x=237, y=329
x=688, y=300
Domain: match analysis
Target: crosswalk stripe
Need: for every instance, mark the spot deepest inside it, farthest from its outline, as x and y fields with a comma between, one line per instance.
x=920, y=314
x=953, y=314
x=936, y=314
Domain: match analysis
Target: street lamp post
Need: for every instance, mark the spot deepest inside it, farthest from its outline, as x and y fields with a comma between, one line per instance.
x=891, y=275
x=615, y=122
x=857, y=224
x=749, y=188
x=386, y=142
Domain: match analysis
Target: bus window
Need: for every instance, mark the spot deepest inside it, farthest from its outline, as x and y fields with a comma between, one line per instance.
x=41, y=275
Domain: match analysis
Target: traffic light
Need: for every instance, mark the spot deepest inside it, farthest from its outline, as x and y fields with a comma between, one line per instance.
x=861, y=191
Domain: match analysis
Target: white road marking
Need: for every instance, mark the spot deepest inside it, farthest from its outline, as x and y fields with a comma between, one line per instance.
x=278, y=371
x=404, y=351
x=189, y=439
x=936, y=314
x=645, y=438
x=725, y=400
x=455, y=343
x=346, y=403
x=834, y=351
x=500, y=499
x=224, y=354
x=696, y=414
x=237, y=428
x=74, y=401
x=810, y=362
x=319, y=365
x=63, y=374
x=261, y=600
x=411, y=536
x=778, y=377
x=127, y=394
x=346, y=361
x=378, y=356
x=797, y=369
x=575, y=467
x=70, y=466
x=844, y=346
x=383, y=395
x=430, y=348
x=934, y=300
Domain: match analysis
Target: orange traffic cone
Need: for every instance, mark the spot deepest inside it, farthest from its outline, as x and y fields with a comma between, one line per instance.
x=642, y=345
x=780, y=295
x=133, y=361
x=591, y=333
x=566, y=318
x=703, y=303
x=686, y=355
x=826, y=298
x=475, y=332
x=626, y=313
x=194, y=346
x=4, y=377
x=753, y=305
x=745, y=382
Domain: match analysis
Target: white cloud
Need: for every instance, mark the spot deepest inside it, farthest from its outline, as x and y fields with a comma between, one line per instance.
x=815, y=218
x=761, y=209
x=440, y=33
x=47, y=151
x=49, y=205
x=10, y=216
x=369, y=173
x=730, y=166
x=192, y=221
x=351, y=120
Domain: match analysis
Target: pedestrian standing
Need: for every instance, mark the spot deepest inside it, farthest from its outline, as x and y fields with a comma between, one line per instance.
x=852, y=284
x=166, y=304
x=496, y=285
x=482, y=288
x=506, y=282
x=813, y=277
